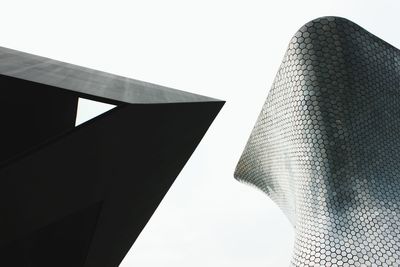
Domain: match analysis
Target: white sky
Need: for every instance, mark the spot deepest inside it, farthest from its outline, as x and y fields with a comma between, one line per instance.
x=224, y=49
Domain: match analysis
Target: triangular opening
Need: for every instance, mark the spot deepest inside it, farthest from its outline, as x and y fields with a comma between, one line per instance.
x=89, y=109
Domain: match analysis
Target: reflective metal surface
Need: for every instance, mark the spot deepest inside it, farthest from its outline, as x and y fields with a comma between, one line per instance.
x=326, y=146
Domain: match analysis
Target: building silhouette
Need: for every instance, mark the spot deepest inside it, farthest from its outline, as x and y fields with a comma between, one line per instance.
x=80, y=196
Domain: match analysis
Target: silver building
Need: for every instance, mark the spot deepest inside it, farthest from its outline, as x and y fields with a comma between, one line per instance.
x=326, y=146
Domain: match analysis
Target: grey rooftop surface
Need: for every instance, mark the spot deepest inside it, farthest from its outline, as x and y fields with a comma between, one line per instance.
x=111, y=88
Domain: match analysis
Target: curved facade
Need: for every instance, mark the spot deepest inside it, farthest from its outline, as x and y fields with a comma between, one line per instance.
x=326, y=146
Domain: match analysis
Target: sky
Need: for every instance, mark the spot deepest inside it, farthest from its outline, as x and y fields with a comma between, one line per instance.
x=229, y=50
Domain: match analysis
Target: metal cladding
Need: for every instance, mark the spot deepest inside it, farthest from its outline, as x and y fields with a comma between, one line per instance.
x=80, y=196
x=326, y=146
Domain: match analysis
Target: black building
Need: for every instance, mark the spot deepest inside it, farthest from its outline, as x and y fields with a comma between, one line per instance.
x=79, y=196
